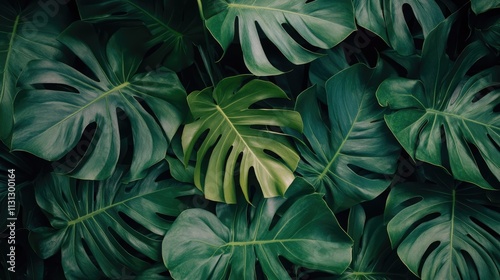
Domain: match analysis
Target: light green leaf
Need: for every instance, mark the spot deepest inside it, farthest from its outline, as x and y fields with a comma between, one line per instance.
x=102, y=227
x=443, y=232
x=322, y=23
x=386, y=19
x=300, y=228
x=352, y=153
x=174, y=25
x=438, y=116
x=57, y=102
x=23, y=39
x=481, y=6
x=224, y=112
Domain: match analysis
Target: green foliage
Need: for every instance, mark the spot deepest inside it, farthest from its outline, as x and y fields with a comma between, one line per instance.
x=228, y=245
x=224, y=111
x=136, y=145
x=445, y=232
x=90, y=221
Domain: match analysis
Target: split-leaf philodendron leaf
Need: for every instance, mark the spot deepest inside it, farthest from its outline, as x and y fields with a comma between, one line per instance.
x=174, y=25
x=386, y=19
x=348, y=158
x=300, y=228
x=22, y=40
x=322, y=23
x=57, y=102
x=438, y=117
x=234, y=130
x=444, y=232
x=92, y=221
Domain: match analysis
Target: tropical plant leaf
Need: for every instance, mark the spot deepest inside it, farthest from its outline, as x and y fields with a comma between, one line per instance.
x=174, y=25
x=106, y=226
x=224, y=111
x=386, y=19
x=444, y=232
x=57, y=103
x=487, y=27
x=313, y=21
x=438, y=117
x=351, y=154
x=373, y=258
x=481, y=6
x=23, y=39
x=201, y=245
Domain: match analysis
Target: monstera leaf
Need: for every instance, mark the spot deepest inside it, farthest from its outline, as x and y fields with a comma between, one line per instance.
x=438, y=117
x=313, y=21
x=300, y=228
x=174, y=25
x=106, y=226
x=233, y=130
x=445, y=232
x=386, y=19
x=58, y=102
x=373, y=258
x=22, y=39
x=351, y=149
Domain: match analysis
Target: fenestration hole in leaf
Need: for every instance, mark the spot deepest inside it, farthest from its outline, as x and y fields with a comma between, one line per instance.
x=413, y=25
x=298, y=38
x=167, y=218
x=85, y=145
x=127, y=247
x=481, y=164
x=89, y=253
x=496, y=109
x=133, y=224
x=429, y=250
x=57, y=87
x=493, y=142
x=470, y=264
x=488, y=229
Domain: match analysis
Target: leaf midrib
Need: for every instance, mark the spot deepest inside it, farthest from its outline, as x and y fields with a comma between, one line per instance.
x=104, y=209
x=105, y=94
x=337, y=152
x=226, y=118
x=9, y=53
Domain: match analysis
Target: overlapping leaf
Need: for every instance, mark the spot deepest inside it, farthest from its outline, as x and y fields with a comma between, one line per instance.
x=322, y=23
x=438, y=117
x=300, y=228
x=174, y=25
x=445, y=232
x=23, y=37
x=106, y=226
x=386, y=19
x=57, y=103
x=351, y=149
x=224, y=112
x=373, y=258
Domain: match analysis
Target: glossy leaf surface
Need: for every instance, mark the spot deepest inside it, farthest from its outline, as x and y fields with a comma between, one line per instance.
x=313, y=21
x=232, y=129
x=201, y=245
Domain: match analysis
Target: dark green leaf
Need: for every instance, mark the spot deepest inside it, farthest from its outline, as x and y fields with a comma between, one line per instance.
x=386, y=19
x=174, y=25
x=438, y=116
x=106, y=226
x=24, y=37
x=314, y=21
x=224, y=112
x=351, y=154
x=299, y=228
x=50, y=121
x=443, y=232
